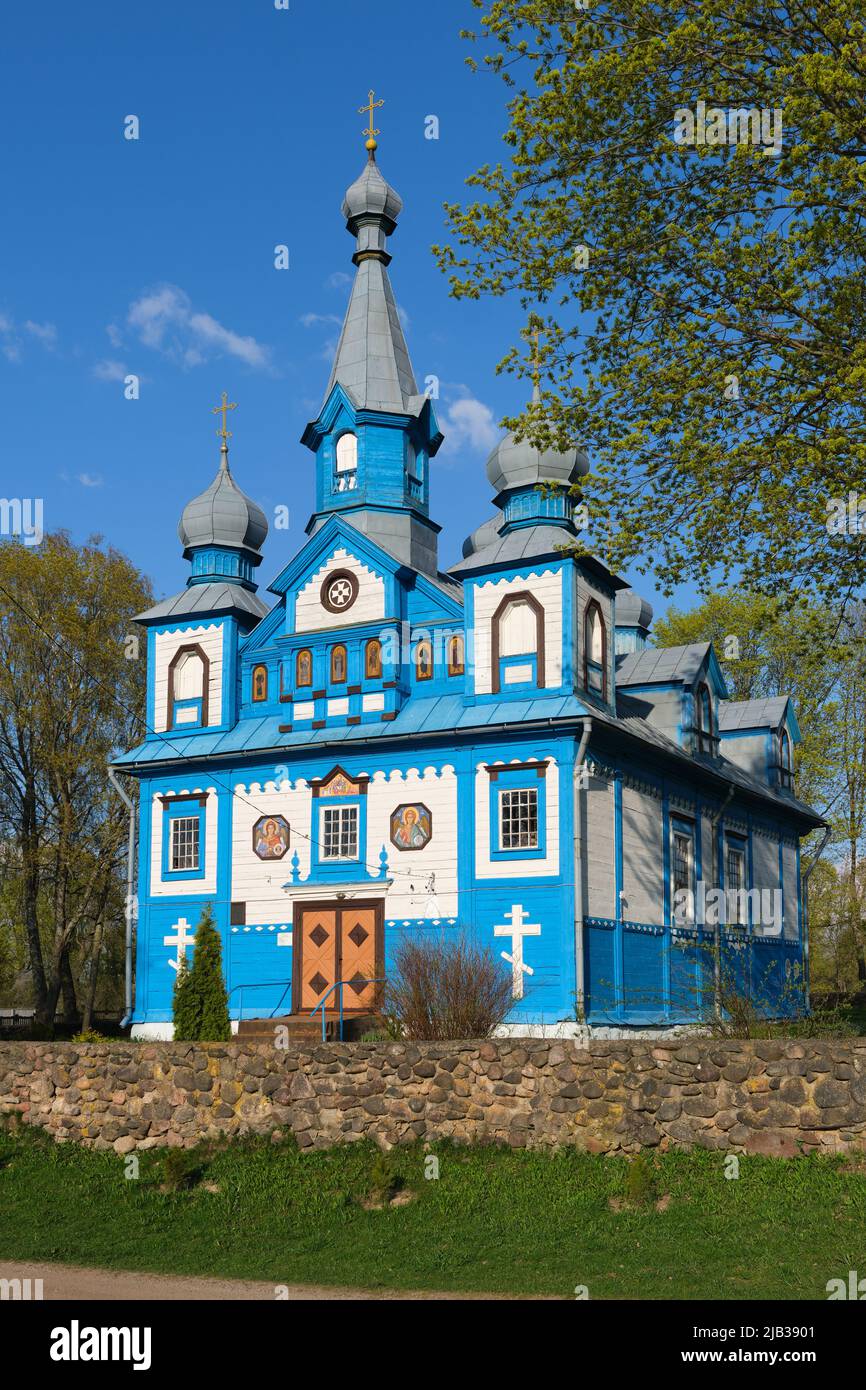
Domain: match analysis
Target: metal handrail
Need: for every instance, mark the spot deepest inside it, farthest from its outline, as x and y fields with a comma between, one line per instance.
x=338, y=984
x=265, y=984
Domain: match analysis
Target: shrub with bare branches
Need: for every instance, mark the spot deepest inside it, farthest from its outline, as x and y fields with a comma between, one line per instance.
x=438, y=990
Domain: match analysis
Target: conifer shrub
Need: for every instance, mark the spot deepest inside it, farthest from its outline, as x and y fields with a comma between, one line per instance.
x=201, y=1006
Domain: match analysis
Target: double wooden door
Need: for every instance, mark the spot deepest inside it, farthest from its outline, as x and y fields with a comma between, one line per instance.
x=336, y=941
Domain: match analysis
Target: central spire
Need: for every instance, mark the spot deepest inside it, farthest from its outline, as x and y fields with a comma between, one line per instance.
x=372, y=362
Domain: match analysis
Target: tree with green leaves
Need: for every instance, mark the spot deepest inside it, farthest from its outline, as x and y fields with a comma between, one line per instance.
x=72, y=691
x=201, y=1006
x=704, y=304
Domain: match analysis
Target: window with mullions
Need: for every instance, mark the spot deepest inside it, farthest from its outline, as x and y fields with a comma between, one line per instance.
x=185, y=833
x=705, y=720
x=683, y=873
x=594, y=645
x=518, y=819
x=339, y=827
x=785, y=759
x=735, y=883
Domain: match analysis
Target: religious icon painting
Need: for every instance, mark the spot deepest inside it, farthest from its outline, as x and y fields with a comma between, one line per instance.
x=270, y=837
x=411, y=826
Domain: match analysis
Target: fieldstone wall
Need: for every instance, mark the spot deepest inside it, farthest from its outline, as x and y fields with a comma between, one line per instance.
x=781, y=1097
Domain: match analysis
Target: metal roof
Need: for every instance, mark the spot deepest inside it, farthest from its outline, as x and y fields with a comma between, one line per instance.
x=654, y=665
x=752, y=714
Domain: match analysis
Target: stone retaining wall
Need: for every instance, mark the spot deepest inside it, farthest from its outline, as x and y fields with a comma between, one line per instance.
x=781, y=1097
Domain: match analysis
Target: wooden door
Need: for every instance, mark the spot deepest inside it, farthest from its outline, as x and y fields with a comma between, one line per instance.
x=359, y=957
x=317, y=957
x=338, y=941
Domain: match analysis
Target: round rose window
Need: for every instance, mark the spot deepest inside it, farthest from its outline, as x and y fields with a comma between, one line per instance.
x=340, y=591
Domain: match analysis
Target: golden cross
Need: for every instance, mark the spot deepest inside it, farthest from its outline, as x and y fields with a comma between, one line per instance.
x=224, y=408
x=369, y=109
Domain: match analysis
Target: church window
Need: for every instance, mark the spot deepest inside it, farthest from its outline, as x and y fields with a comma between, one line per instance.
x=455, y=656
x=517, y=642
x=682, y=872
x=705, y=720
x=339, y=826
x=424, y=660
x=188, y=676
x=338, y=665
x=373, y=660
x=594, y=644
x=785, y=760
x=339, y=591
x=347, y=463
x=304, y=668
x=185, y=838
x=518, y=819
x=735, y=881
x=260, y=684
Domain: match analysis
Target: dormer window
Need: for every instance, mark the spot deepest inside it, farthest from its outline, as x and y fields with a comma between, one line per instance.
x=346, y=475
x=706, y=741
x=786, y=763
x=260, y=684
x=594, y=644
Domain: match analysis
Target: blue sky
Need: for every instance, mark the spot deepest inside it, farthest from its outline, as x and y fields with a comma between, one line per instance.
x=156, y=256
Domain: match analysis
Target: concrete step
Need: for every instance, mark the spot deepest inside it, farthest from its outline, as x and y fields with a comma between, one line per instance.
x=302, y=1028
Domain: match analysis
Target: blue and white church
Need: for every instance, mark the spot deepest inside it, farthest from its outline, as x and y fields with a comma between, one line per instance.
x=380, y=749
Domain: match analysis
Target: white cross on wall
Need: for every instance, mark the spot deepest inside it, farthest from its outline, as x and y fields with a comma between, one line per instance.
x=517, y=930
x=185, y=937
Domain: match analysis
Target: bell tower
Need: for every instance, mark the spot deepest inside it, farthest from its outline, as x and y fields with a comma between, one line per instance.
x=376, y=433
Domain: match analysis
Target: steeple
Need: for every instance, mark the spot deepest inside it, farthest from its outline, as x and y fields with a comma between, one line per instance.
x=222, y=530
x=376, y=433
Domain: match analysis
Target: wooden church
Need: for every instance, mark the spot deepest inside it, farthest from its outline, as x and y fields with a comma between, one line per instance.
x=384, y=749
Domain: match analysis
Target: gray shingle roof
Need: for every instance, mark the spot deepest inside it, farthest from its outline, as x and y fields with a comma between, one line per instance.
x=207, y=598
x=372, y=362
x=223, y=515
x=752, y=714
x=524, y=543
x=654, y=665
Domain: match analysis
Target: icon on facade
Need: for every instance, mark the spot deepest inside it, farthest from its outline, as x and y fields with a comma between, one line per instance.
x=271, y=837
x=411, y=826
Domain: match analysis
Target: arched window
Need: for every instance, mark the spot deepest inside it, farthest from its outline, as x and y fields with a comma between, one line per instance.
x=785, y=759
x=347, y=462
x=517, y=631
x=594, y=649
x=304, y=668
x=338, y=665
x=373, y=660
x=260, y=683
x=424, y=660
x=705, y=720
x=455, y=656
x=188, y=679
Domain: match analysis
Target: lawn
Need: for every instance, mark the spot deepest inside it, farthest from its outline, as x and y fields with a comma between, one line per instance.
x=504, y=1221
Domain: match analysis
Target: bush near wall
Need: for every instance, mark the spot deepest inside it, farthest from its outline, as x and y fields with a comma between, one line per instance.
x=774, y=1097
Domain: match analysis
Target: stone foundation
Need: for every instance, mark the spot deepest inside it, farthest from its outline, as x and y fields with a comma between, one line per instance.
x=778, y=1097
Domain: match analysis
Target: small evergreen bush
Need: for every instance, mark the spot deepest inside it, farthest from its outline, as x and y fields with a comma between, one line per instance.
x=201, y=1006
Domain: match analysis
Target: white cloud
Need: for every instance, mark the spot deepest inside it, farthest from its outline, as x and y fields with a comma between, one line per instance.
x=11, y=336
x=467, y=423
x=89, y=479
x=110, y=370
x=338, y=280
x=164, y=319
x=315, y=320
x=46, y=333
x=403, y=317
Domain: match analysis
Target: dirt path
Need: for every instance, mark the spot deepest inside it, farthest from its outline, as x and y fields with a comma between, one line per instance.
x=71, y=1282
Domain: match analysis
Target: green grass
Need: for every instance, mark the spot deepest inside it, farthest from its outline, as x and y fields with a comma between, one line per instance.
x=497, y=1220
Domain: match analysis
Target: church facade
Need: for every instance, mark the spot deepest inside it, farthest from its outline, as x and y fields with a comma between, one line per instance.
x=384, y=749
